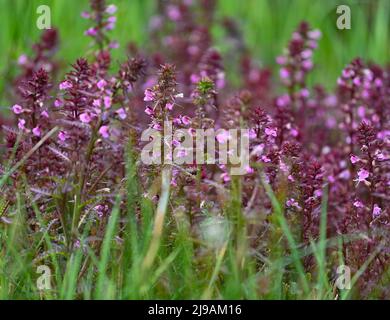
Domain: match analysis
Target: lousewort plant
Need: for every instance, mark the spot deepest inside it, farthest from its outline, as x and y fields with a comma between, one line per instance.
x=314, y=192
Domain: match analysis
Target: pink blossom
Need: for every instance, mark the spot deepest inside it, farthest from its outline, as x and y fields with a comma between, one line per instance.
x=307, y=64
x=111, y=9
x=22, y=60
x=318, y=193
x=363, y=174
x=220, y=83
x=107, y=102
x=283, y=100
x=17, y=109
x=114, y=45
x=100, y=210
x=284, y=167
x=62, y=135
x=58, y=103
x=85, y=15
x=149, y=111
x=121, y=113
x=156, y=126
x=252, y=134
x=185, y=120
x=173, y=13
x=294, y=132
x=354, y=159
x=169, y=106
x=223, y=136
x=225, y=177
x=97, y=103
x=281, y=60
x=181, y=153
x=314, y=34
x=91, y=32
x=376, y=212
x=284, y=73
x=77, y=244
x=265, y=159
x=149, y=95
x=104, y=131
x=249, y=170
x=357, y=82
x=193, y=50
x=305, y=93
x=111, y=19
x=378, y=82
x=306, y=54
x=36, y=131
x=270, y=132
x=65, y=85
x=358, y=204
x=101, y=84
x=379, y=156
x=361, y=111
x=110, y=26
x=194, y=78
x=292, y=203
x=45, y=114
x=21, y=124
x=176, y=143
x=85, y=117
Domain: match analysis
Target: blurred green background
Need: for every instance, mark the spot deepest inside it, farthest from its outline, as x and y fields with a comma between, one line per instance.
x=265, y=24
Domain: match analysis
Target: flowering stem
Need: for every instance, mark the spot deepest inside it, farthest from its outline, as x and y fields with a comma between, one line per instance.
x=159, y=218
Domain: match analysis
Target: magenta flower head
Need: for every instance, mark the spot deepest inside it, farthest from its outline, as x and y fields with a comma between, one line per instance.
x=149, y=111
x=104, y=131
x=45, y=114
x=363, y=174
x=65, y=85
x=17, y=109
x=107, y=102
x=101, y=84
x=270, y=132
x=111, y=9
x=223, y=136
x=85, y=118
x=91, y=32
x=121, y=113
x=85, y=15
x=169, y=106
x=358, y=204
x=62, y=136
x=376, y=212
x=354, y=159
x=21, y=124
x=36, y=131
x=58, y=103
x=149, y=95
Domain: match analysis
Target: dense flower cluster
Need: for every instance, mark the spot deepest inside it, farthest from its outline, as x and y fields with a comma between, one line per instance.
x=304, y=142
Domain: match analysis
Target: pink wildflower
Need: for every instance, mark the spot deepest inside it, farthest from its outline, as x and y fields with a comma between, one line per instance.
x=36, y=131
x=17, y=109
x=65, y=85
x=104, y=131
x=121, y=113
x=85, y=117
